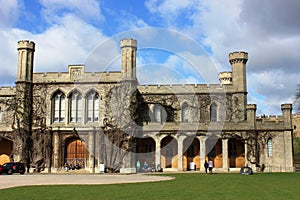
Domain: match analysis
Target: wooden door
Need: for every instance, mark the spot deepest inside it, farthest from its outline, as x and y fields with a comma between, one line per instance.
x=76, y=153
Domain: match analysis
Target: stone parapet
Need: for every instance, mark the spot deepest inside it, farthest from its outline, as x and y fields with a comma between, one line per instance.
x=26, y=44
x=128, y=42
x=225, y=78
x=237, y=57
x=185, y=89
x=7, y=91
x=86, y=77
x=286, y=107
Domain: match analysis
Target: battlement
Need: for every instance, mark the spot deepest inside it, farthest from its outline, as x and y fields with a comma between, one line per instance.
x=7, y=91
x=251, y=107
x=128, y=42
x=76, y=73
x=225, y=78
x=184, y=88
x=270, y=117
x=26, y=44
x=286, y=106
x=238, y=57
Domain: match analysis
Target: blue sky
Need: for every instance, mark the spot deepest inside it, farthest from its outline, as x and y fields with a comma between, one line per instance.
x=205, y=31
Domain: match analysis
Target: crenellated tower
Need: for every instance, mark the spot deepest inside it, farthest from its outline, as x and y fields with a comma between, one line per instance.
x=24, y=88
x=25, y=61
x=129, y=47
x=238, y=62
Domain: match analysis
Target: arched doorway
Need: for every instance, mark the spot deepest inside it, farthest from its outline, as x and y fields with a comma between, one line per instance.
x=146, y=150
x=169, y=151
x=191, y=148
x=6, y=147
x=236, y=153
x=76, y=153
x=215, y=152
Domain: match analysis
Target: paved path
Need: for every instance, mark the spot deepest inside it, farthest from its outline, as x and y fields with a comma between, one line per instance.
x=7, y=181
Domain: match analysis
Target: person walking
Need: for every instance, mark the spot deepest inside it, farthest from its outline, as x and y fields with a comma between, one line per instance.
x=210, y=166
x=138, y=166
x=206, y=166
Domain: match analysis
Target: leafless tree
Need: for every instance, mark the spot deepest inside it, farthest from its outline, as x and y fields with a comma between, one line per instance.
x=120, y=125
x=255, y=141
x=26, y=114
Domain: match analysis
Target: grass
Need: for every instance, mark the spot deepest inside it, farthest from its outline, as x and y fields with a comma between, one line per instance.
x=184, y=186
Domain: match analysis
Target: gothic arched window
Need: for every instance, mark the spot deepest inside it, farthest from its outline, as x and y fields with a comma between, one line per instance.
x=75, y=107
x=185, y=113
x=92, y=107
x=58, y=107
x=270, y=147
x=157, y=113
x=213, y=112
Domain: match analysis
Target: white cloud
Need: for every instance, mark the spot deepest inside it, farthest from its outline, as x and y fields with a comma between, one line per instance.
x=69, y=42
x=88, y=10
x=168, y=7
x=269, y=31
x=64, y=44
x=172, y=12
x=8, y=12
x=270, y=89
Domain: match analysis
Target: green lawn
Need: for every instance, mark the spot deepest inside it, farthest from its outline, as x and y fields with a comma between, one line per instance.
x=184, y=186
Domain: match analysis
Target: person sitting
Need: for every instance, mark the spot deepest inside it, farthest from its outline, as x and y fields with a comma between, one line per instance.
x=146, y=166
x=158, y=168
x=153, y=169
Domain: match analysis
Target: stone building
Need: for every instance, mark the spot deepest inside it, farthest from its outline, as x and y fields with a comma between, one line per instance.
x=93, y=118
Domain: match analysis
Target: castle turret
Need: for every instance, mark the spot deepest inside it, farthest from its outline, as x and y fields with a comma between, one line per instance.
x=287, y=115
x=225, y=78
x=25, y=61
x=24, y=87
x=129, y=47
x=238, y=62
x=288, y=137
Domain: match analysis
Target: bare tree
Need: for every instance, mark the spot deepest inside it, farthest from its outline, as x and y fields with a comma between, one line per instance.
x=27, y=118
x=255, y=141
x=120, y=125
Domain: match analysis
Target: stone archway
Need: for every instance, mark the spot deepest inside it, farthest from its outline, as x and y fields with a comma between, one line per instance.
x=146, y=150
x=236, y=153
x=6, y=148
x=169, y=152
x=215, y=153
x=75, y=152
x=191, y=147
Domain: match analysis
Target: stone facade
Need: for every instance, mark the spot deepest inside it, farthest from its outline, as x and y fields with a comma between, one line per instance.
x=78, y=116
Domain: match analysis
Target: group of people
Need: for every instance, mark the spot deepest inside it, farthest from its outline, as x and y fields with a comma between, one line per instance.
x=208, y=166
x=71, y=167
x=147, y=168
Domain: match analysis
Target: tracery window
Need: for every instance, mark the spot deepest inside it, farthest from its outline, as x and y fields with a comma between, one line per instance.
x=75, y=107
x=185, y=113
x=213, y=112
x=159, y=113
x=270, y=147
x=92, y=107
x=58, y=107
